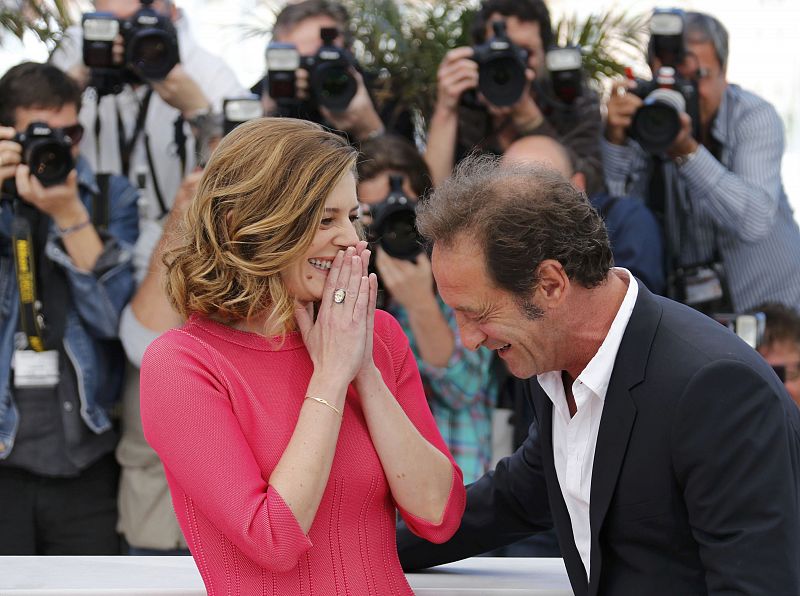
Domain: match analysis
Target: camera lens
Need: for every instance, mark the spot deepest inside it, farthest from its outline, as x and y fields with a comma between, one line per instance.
x=334, y=86
x=50, y=161
x=398, y=235
x=657, y=123
x=152, y=54
x=502, y=81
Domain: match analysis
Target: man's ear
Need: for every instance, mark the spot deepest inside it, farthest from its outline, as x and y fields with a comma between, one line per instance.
x=553, y=282
x=579, y=181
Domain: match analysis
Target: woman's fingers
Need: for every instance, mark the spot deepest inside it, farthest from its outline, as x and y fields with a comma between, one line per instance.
x=361, y=306
x=330, y=283
x=354, y=282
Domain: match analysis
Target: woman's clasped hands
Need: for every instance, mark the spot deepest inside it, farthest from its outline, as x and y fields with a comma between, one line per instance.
x=339, y=341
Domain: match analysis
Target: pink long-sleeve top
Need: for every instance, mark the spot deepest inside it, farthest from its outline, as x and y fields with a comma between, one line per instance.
x=219, y=407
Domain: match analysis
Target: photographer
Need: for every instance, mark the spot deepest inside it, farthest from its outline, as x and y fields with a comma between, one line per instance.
x=731, y=240
x=460, y=123
x=65, y=274
x=143, y=127
x=301, y=24
x=458, y=382
x=780, y=345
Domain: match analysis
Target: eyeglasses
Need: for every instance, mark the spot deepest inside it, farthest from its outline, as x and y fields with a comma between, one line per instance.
x=74, y=132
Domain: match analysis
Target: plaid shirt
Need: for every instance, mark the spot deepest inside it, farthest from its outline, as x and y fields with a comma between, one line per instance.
x=461, y=397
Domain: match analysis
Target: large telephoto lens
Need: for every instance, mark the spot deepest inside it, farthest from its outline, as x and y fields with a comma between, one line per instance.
x=502, y=81
x=50, y=161
x=657, y=123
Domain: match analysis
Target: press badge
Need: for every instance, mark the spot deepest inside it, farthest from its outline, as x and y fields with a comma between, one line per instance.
x=35, y=369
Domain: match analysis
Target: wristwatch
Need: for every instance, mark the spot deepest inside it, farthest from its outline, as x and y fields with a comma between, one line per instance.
x=682, y=160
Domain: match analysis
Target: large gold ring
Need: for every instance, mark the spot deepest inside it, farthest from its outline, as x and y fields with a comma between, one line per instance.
x=339, y=296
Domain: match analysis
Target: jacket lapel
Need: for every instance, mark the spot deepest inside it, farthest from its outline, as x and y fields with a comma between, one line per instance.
x=619, y=413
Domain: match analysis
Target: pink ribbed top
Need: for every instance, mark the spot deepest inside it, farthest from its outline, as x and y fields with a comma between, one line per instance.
x=220, y=405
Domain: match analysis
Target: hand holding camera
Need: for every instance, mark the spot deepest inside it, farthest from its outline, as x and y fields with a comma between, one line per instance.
x=10, y=153
x=410, y=283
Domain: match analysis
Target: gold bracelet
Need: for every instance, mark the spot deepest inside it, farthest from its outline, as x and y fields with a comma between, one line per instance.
x=325, y=402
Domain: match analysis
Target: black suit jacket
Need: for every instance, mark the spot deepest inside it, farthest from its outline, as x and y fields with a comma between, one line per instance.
x=696, y=477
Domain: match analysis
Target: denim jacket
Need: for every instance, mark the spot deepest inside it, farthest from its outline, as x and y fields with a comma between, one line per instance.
x=98, y=298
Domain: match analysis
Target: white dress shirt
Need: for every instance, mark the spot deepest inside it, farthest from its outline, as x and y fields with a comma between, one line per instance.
x=575, y=438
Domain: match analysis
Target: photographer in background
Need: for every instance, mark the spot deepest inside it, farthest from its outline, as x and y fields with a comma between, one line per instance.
x=144, y=128
x=65, y=274
x=780, y=345
x=458, y=382
x=730, y=237
x=301, y=24
x=461, y=122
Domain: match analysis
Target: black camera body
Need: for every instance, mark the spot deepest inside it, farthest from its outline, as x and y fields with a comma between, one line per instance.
x=150, y=39
x=393, y=225
x=331, y=82
x=501, y=68
x=656, y=124
x=48, y=153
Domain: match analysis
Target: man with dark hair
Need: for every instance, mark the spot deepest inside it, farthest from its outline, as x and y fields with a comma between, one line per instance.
x=299, y=24
x=731, y=239
x=460, y=125
x=65, y=275
x=665, y=451
x=780, y=346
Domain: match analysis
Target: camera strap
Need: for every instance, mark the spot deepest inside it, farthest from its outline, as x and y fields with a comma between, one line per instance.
x=43, y=323
x=100, y=201
x=126, y=146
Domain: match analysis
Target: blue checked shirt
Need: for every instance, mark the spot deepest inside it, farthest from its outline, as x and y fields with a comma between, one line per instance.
x=736, y=204
x=461, y=397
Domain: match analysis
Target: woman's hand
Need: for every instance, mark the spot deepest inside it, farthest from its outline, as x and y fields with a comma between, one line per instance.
x=337, y=340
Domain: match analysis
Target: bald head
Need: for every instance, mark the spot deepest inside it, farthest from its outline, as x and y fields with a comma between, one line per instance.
x=540, y=149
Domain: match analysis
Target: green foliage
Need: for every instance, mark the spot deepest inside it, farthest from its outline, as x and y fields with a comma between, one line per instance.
x=46, y=18
x=404, y=42
x=610, y=42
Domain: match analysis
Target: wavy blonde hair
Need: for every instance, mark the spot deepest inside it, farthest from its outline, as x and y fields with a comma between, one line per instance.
x=256, y=211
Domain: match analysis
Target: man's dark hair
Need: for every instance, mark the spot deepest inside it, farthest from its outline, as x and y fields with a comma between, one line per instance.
x=524, y=10
x=35, y=85
x=520, y=215
x=391, y=152
x=295, y=12
x=782, y=324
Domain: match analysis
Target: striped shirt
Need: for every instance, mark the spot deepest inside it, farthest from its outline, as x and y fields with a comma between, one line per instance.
x=736, y=205
x=461, y=397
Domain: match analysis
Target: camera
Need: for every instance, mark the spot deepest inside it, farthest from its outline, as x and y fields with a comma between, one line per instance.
x=656, y=124
x=237, y=110
x=48, y=153
x=749, y=327
x=501, y=68
x=150, y=39
x=564, y=66
x=393, y=224
x=332, y=85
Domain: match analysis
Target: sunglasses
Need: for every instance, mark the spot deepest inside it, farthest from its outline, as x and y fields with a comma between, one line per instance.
x=74, y=132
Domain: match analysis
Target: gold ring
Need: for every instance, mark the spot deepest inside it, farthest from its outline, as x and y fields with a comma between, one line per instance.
x=339, y=296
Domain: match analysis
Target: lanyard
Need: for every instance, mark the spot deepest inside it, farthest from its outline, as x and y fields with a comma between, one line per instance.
x=31, y=317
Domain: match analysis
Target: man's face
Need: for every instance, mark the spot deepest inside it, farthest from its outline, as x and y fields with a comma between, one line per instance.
x=305, y=35
x=701, y=65
x=525, y=34
x=124, y=9
x=64, y=117
x=491, y=317
x=374, y=190
x=787, y=355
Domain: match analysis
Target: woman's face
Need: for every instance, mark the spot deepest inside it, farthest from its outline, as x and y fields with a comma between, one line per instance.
x=305, y=279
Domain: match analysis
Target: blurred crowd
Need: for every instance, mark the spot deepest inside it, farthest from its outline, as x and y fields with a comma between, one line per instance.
x=101, y=150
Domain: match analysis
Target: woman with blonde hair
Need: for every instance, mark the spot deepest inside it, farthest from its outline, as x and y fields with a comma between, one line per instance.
x=288, y=412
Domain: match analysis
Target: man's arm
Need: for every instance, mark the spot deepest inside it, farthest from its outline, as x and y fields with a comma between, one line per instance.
x=735, y=451
x=742, y=200
x=504, y=506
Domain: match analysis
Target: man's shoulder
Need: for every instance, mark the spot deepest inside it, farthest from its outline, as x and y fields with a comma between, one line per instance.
x=746, y=102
